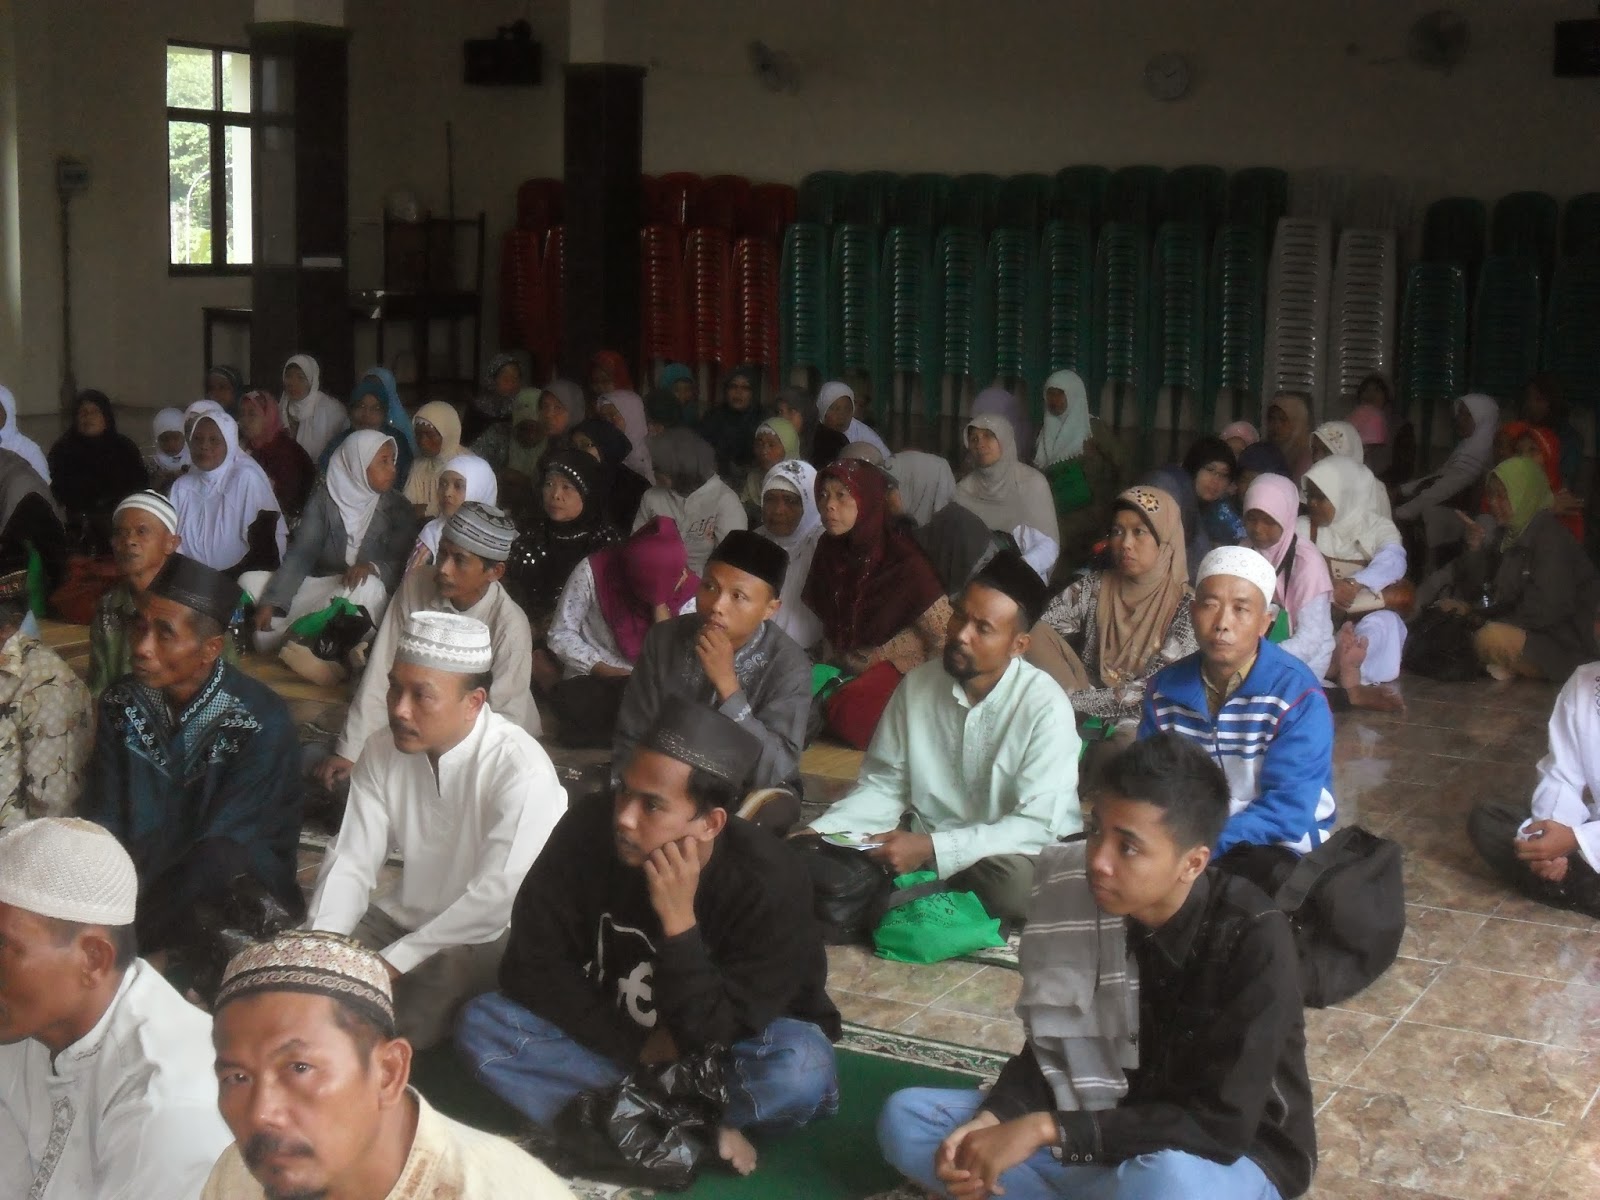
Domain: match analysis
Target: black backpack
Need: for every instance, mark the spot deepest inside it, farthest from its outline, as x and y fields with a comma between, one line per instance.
x=1346, y=901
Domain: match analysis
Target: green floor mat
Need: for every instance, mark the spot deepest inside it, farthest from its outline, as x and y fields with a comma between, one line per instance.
x=834, y=1159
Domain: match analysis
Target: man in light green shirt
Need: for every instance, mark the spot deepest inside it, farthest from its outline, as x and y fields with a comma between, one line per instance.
x=974, y=767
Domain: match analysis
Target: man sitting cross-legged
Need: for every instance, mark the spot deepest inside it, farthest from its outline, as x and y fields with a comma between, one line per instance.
x=1550, y=850
x=729, y=655
x=1257, y=710
x=465, y=578
x=189, y=764
x=978, y=754
x=1166, y=1042
x=656, y=926
x=314, y=1083
x=467, y=798
x=106, y=1089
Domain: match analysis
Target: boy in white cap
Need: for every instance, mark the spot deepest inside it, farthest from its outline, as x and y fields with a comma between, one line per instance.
x=106, y=1086
x=468, y=799
x=46, y=718
x=466, y=577
x=1259, y=711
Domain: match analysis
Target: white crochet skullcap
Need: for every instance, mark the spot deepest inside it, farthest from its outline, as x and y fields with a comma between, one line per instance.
x=68, y=869
x=445, y=642
x=1242, y=563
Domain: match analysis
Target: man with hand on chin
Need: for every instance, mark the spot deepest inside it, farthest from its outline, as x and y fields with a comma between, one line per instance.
x=730, y=656
x=974, y=766
x=1166, y=1037
x=656, y=925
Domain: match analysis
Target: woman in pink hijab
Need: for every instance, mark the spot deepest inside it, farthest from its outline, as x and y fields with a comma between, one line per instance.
x=1305, y=588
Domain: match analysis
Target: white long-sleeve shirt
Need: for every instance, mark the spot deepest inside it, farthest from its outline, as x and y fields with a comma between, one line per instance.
x=510, y=640
x=996, y=777
x=468, y=835
x=1573, y=763
x=579, y=635
x=1311, y=639
x=127, y=1112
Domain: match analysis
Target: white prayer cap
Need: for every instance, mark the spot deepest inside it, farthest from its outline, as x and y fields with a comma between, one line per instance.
x=69, y=869
x=445, y=642
x=1242, y=563
x=154, y=503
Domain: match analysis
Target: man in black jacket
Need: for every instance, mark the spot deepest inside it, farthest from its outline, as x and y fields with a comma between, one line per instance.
x=654, y=926
x=1211, y=1096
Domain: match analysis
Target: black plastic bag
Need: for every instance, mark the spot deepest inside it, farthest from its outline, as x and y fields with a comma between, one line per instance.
x=653, y=1129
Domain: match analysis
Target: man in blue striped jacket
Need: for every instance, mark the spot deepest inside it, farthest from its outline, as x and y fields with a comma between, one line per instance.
x=1261, y=713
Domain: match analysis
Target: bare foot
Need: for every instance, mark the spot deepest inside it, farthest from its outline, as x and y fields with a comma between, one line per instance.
x=1375, y=697
x=736, y=1150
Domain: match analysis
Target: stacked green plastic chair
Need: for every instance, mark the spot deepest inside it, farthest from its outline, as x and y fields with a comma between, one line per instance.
x=1525, y=223
x=1571, y=349
x=1001, y=333
x=1433, y=345
x=1235, y=340
x=905, y=311
x=1197, y=194
x=820, y=200
x=1453, y=230
x=854, y=345
x=1026, y=202
x=1177, y=325
x=1065, y=279
x=1121, y=315
x=1505, y=326
x=1580, y=226
x=869, y=199
x=1081, y=195
x=975, y=202
x=1258, y=197
x=957, y=259
x=922, y=201
x=1133, y=197
x=803, y=300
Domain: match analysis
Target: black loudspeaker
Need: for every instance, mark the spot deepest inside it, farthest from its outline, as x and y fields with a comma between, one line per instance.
x=1577, y=49
x=509, y=59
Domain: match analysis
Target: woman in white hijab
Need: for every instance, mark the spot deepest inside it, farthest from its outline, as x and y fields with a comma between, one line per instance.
x=1341, y=438
x=13, y=439
x=465, y=477
x=313, y=417
x=1085, y=464
x=626, y=411
x=1010, y=496
x=169, y=457
x=926, y=483
x=789, y=517
x=228, y=516
x=841, y=417
x=1434, y=498
x=350, y=544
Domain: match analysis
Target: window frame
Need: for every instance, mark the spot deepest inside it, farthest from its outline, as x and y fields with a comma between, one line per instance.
x=218, y=121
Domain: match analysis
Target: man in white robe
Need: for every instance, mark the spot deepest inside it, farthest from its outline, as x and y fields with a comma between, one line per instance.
x=106, y=1083
x=467, y=798
x=465, y=578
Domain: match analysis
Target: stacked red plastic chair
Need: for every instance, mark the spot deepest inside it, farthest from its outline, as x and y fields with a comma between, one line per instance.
x=663, y=323
x=522, y=299
x=755, y=304
x=721, y=203
x=675, y=197
x=771, y=211
x=540, y=204
x=553, y=270
x=707, y=275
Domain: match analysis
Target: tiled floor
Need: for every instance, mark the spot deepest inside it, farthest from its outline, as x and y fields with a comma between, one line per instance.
x=1471, y=1069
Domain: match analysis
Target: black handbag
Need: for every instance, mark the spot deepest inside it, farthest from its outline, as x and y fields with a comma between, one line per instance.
x=849, y=890
x=1439, y=646
x=1346, y=901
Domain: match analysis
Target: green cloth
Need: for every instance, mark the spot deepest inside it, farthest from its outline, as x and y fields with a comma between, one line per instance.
x=1528, y=489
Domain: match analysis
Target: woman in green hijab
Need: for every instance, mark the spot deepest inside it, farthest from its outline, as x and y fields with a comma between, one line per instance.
x=1526, y=580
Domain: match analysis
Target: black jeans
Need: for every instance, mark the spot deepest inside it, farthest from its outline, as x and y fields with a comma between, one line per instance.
x=1493, y=830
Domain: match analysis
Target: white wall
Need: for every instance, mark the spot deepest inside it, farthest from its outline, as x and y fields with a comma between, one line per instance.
x=949, y=85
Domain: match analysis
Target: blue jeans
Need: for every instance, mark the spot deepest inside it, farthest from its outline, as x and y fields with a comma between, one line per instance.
x=916, y=1120
x=778, y=1080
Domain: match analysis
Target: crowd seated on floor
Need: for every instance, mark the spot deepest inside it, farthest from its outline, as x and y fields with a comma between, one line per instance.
x=1100, y=706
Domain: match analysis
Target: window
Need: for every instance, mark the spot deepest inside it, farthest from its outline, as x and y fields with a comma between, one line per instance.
x=210, y=223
